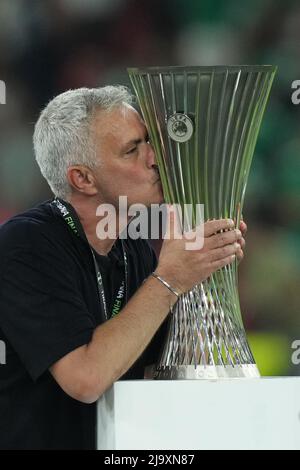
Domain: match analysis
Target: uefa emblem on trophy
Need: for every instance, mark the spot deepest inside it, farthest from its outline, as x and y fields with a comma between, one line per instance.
x=203, y=123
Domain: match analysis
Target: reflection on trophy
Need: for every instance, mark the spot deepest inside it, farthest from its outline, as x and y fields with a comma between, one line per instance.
x=203, y=123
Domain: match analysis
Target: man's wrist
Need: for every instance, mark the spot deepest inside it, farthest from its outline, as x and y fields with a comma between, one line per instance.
x=165, y=283
x=158, y=287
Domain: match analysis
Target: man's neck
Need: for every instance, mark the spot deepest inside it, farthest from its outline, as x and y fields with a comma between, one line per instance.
x=86, y=212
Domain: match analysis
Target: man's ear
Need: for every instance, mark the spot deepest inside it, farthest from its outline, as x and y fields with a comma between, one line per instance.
x=81, y=179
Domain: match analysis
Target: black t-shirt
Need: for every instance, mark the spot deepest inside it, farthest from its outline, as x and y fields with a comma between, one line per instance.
x=49, y=306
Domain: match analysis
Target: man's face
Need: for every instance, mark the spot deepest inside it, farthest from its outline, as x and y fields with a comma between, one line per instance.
x=127, y=160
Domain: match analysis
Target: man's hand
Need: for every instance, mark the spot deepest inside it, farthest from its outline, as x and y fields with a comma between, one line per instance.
x=241, y=241
x=183, y=268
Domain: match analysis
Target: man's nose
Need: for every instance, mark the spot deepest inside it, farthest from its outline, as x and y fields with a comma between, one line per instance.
x=151, y=158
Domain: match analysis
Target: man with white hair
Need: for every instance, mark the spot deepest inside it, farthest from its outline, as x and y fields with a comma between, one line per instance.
x=78, y=312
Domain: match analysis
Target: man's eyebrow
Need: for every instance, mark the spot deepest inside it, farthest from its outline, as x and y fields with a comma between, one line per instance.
x=133, y=141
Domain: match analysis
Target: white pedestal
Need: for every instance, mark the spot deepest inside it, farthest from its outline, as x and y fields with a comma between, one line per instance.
x=196, y=414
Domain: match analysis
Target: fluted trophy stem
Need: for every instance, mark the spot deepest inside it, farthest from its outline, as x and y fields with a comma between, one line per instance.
x=203, y=123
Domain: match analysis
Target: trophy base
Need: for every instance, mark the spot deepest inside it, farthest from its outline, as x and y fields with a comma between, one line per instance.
x=190, y=372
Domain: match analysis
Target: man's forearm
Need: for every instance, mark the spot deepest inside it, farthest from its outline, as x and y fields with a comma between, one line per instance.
x=118, y=343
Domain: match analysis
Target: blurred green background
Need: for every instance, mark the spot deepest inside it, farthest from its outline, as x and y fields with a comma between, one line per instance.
x=47, y=47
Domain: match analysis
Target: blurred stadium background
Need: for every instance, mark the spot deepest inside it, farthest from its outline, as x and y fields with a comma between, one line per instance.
x=49, y=46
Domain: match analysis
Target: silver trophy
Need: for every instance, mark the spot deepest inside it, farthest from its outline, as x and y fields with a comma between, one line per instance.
x=203, y=123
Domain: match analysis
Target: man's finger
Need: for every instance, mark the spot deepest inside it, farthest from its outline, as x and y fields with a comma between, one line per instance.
x=173, y=230
x=240, y=255
x=242, y=242
x=213, y=226
x=243, y=227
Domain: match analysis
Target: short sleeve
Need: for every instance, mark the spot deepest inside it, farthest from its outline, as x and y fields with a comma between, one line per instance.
x=42, y=312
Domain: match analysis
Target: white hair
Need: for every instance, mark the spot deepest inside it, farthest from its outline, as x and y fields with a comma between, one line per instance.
x=62, y=135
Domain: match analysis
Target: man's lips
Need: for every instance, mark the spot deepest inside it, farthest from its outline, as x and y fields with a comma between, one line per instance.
x=158, y=177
